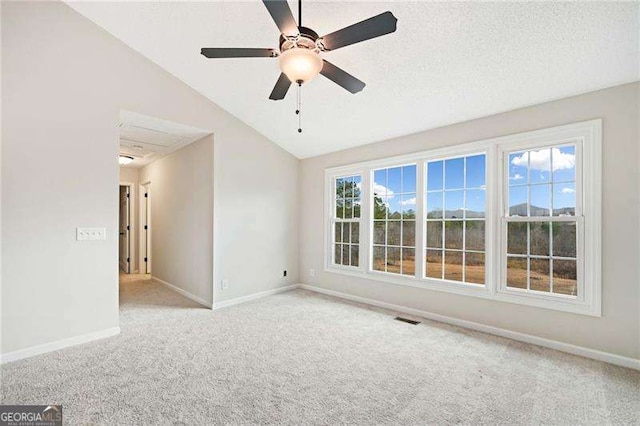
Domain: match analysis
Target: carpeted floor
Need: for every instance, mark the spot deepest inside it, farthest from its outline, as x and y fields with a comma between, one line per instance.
x=302, y=358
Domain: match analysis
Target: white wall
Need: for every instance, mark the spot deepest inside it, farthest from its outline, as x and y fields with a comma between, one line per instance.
x=618, y=330
x=182, y=218
x=59, y=171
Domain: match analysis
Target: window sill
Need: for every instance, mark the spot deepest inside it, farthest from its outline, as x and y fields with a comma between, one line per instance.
x=564, y=304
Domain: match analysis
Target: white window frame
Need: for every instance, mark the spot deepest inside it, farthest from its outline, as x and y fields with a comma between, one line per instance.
x=587, y=136
x=334, y=220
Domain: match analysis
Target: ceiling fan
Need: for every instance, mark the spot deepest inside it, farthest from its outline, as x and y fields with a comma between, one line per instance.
x=300, y=48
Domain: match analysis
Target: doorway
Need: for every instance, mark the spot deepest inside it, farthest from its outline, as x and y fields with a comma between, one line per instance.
x=124, y=254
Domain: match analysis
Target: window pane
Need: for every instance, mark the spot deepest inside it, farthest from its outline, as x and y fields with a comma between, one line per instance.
x=517, y=238
x=564, y=199
x=564, y=164
x=434, y=264
x=565, y=277
x=355, y=251
x=540, y=278
x=540, y=166
x=540, y=200
x=453, y=204
x=379, y=232
x=339, y=209
x=409, y=179
x=409, y=206
x=357, y=182
x=474, y=235
x=516, y=272
x=475, y=205
x=346, y=233
x=518, y=169
x=434, y=205
x=474, y=268
x=476, y=171
x=434, y=175
x=378, y=258
x=380, y=182
x=409, y=233
x=539, y=235
x=434, y=234
x=395, y=207
x=518, y=201
x=337, y=259
x=454, y=173
x=393, y=233
x=564, y=239
x=393, y=260
x=348, y=209
x=356, y=208
x=453, y=265
x=379, y=208
x=340, y=188
x=408, y=261
x=338, y=233
x=345, y=254
x=355, y=233
x=348, y=187
x=453, y=234
x=394, y=177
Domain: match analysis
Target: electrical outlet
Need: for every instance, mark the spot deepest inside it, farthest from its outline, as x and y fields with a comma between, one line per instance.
x=284, y=273
x=225, y=284
x=312, y=272
x=87, y=234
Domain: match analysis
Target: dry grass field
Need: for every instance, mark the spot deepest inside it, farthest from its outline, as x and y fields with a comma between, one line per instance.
x=516, y=276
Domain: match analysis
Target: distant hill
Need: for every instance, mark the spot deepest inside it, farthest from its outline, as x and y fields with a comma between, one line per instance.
x=521, y=210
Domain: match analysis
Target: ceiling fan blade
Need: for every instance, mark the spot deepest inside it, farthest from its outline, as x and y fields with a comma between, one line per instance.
x=341, y=77
x=225, y=52
x=377, y=26
x=281, y=14
x=280, y=89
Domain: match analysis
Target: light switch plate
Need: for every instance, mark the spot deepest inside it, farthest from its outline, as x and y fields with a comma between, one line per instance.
x=87, y=234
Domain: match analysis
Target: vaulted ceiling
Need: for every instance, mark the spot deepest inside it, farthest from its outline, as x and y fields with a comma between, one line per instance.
x=446, y=63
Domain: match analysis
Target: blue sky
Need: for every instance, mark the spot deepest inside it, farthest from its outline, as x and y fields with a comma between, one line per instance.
x=544, y=172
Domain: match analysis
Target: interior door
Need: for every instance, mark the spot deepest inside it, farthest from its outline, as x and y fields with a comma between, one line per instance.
x=146, y=217
x=124, y=229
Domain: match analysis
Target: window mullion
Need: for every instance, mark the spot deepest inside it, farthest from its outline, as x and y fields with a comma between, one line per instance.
x=421, y=217
x=366, y=220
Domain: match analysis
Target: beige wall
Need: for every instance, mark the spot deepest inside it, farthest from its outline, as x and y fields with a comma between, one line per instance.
x=60, y=141
x=182, y=218
x=618, y=330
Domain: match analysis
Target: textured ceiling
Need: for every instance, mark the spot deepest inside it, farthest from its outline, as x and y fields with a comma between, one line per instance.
x=446, y=63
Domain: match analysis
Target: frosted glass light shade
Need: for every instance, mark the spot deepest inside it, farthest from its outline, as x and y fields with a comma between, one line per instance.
x=300, y=64
x=124, y=160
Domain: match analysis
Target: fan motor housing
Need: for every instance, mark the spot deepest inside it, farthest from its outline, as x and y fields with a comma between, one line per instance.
x=305, y=40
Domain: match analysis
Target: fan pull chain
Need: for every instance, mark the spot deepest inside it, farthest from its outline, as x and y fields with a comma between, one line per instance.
x=299, y=106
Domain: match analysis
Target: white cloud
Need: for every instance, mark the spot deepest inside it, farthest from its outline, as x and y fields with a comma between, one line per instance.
x=567, y=190
x=408, y=202
x=517, y=176
x=382, y=190
x=541, y=160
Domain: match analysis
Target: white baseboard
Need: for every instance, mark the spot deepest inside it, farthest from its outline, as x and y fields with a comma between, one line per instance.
x=58, y=344
x=254, y=296
x=183, y=292
x=527, y=338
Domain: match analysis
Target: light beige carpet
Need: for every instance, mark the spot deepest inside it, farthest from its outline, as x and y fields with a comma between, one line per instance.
x=302, y=358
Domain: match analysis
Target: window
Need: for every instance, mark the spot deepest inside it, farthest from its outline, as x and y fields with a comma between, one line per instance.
x=542, y=220
x=346, y=221
x=514, y=219
x=455, y=228
x=394, y=220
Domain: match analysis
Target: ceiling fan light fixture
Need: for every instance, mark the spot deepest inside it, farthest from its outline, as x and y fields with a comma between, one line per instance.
x=123, y=160
x=300, y=64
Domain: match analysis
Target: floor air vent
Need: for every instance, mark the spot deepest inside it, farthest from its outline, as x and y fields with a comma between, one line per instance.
x=407, y=320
